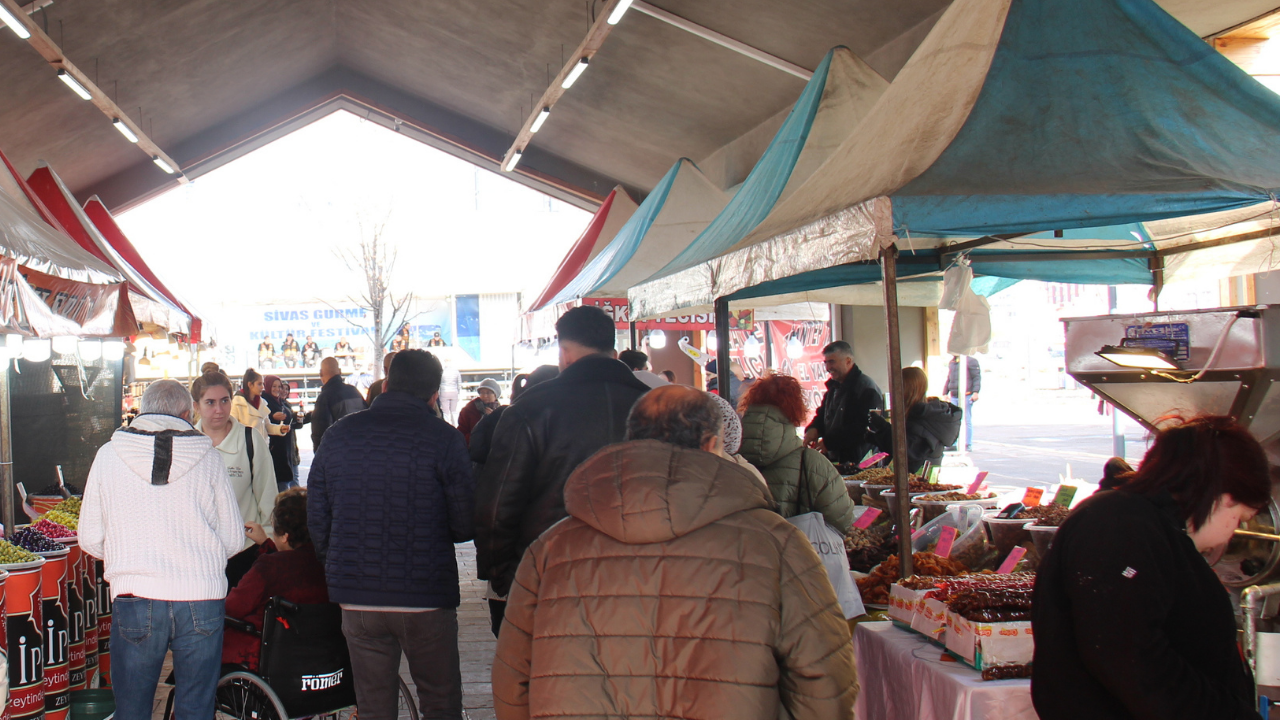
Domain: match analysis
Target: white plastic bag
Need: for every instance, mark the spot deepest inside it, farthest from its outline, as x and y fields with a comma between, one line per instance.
x=971, y=328
x=829, y=545
x=955, y=281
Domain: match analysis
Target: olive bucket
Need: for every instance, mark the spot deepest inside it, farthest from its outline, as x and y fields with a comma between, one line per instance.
x=92, y=704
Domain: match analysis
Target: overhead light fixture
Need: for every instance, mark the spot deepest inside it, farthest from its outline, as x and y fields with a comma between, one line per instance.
x=74, y=84
x=574, y=74
x=1141, y=358
x=64, y=344
x=795, y=349
x=751, y=347
x=510, y=164
x=112, y=349
x=537, y=122
x=657, y=339
x=160, y=163
x=14, y=24
x=618, y=11
x=36, y=350
x=713, y=342
x=124, y=130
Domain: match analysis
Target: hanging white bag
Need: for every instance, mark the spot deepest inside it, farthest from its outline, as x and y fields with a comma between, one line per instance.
x=829, y=545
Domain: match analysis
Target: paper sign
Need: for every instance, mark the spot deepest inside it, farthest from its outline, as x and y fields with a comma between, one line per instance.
x=1011, y=562
x=872, y=460
x=868, y=516
x=1031, y=498
x=933, y=475
x=977, y=482
x=945, y=541
x=1065, y=494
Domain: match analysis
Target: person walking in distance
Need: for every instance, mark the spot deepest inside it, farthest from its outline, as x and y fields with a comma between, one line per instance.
x=336, y=400
x=541, y=440
x=839, y=427
x=742, y=624
x=160, y=513
x=389, y=494
x=450, y=388
x=972, y=386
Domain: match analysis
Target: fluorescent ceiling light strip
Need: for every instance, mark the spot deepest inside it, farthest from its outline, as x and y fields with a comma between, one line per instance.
x=160, y=163
x=538, y=121
x=75, y=85
x=14, y=24
x=124, y=130
x=618, y=11
x=511, y=161
x=574, y=74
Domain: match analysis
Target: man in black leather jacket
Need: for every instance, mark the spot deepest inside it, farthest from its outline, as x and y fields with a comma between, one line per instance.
x=542, y=439
x=839, y=427
x=337, y=399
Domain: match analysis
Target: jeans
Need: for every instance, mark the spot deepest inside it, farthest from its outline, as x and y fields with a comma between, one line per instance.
x=449, y=406
x=968, y=420
x=142, y=631
x=428, y=639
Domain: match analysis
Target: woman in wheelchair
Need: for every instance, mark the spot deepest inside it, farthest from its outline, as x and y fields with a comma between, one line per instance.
x=286, y=567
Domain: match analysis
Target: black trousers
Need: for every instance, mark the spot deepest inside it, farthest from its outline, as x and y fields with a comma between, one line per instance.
x=428, y=639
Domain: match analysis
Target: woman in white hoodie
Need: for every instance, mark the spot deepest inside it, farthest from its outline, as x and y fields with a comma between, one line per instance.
x=246, y=456
x=250, y=410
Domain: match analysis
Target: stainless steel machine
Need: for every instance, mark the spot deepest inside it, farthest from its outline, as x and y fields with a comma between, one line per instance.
x=1157, y=367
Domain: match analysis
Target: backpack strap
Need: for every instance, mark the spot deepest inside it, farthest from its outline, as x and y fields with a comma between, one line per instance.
x=248, y=447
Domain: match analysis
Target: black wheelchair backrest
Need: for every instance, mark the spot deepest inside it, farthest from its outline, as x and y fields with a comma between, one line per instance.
x=305, y=659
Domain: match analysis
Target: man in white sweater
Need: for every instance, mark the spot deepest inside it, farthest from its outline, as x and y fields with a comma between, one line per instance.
x=160, y=513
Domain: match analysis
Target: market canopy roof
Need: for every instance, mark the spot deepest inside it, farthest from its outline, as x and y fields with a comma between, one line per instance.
x=612, y=216
x=1016, y=116
x=682, y=204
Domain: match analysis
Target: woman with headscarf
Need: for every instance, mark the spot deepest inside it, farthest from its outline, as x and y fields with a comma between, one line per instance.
x=482, y=433
x=731, y=436
x=284, y=448
x=249, y=408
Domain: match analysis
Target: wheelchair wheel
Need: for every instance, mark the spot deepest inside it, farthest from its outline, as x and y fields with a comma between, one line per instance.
x=406, y=709
x=244, y=696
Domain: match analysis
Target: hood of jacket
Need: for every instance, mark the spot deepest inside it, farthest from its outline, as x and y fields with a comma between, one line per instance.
x=158, y=448
x=647, y=491
x=937, y=418
x=767, y=435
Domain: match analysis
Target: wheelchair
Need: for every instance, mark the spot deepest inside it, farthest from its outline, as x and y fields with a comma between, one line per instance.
x=304, y=670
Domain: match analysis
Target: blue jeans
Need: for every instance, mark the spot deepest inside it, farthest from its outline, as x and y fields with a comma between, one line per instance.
x=968, y=420
x=142, y=631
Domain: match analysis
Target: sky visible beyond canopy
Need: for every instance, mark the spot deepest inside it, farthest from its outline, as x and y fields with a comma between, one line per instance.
x=263, y=229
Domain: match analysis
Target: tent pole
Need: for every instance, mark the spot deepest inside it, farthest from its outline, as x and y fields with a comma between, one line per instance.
x=768, y=347
x=897, y=413
x=723, y=372
x=6, y=454
x=633, y=335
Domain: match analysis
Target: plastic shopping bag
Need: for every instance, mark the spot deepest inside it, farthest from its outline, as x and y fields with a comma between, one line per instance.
x=829, y=545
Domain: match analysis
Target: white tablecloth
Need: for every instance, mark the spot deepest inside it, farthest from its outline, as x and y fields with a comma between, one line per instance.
x=903, y=677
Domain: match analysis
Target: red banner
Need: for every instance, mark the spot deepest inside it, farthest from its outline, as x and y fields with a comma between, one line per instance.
x=796, y=351
x=46, y=305
x=620, y=310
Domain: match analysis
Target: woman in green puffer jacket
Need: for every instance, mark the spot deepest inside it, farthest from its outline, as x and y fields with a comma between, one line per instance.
x=801, y=479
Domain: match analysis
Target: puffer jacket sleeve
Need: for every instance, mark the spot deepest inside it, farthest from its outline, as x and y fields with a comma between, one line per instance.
x=515, y=641
x=502, y=497
x=319, y=506
x=828, y=492
x=459, y=489
x=264, y=479
x=819, y=678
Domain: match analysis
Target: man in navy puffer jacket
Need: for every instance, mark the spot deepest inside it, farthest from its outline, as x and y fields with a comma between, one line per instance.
x=389, y=494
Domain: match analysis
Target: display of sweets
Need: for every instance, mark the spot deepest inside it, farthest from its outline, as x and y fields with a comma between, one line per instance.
x=954, y=497
x=51, y=529
x=875, y=587
x=62, y=518
x=70, y=506
x=1045, y=515
x=11, y=554
x=32, y=540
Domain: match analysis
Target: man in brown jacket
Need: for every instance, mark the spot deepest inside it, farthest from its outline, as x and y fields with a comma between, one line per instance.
x=672, y=590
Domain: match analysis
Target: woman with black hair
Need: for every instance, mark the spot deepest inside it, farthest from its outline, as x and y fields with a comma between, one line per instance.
x=286, y=567
x=1129, y=619
x=252, y=411
x=284, y=448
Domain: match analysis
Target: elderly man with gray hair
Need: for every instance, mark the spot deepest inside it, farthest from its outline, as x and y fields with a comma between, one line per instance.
x=672, y=590
x=160, y=513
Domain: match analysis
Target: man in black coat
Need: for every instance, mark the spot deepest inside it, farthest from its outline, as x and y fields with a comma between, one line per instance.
x=543, y=438
x=839, y=427
x=972, y=386
x=337, y=399
x=390, y=493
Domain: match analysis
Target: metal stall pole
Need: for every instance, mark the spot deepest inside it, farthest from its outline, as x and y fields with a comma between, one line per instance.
x=898, y=413
x=722, y=350
x=633, y=335
x=768, y=347
x=1117, y=435
x=6, y=454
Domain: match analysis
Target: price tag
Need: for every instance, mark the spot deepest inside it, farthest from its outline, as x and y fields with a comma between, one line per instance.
x=933, y=475
x=1031, y=498
x=945, y=541
x=1064, y=496
x=872, y=460
x=868, y=516
x=1011, y=562
x=977, y=482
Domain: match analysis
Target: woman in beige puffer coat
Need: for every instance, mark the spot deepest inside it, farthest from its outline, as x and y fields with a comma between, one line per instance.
x=801, y=479
x=671, y=591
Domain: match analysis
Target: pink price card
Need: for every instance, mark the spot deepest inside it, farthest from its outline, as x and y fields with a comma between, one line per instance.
x=1011, y=562
x=868, y=516
x=977, y=482
x=945, y=541
x=872, y=460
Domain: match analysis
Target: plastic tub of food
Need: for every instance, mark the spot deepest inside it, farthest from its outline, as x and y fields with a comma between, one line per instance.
x=1042, y=536
x=854, y=488
x=1006, y=533
x=961, y=517
x=873, y=491
x=934, y=508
